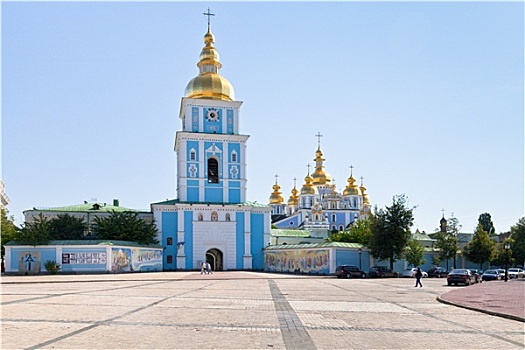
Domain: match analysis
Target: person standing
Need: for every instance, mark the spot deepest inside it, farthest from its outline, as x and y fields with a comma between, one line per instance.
x=208, y=268
x=203, y=268
x=419, y=274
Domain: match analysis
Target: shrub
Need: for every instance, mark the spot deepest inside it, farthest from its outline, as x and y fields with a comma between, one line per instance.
x=52, y=267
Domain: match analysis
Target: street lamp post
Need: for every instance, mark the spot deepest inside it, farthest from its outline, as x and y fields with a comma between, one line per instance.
x=507, y=247
x=360, y=251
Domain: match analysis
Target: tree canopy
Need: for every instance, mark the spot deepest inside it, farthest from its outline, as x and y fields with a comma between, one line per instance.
x=34, y=233
x=67, y=227
x=486, y=222
x=390, y=230
x=8, y=229
x=414, y=253
x=359, y=232
x=125, y=226
x=481, y=248
x=517, y=245
x=447, y=241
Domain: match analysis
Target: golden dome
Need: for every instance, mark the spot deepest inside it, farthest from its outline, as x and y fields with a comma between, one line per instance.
x=308, y=187
x=276, y=197
x=319, y=176
x=294, y=198
x=366, y=200
x=351, y=189
x=209, y=84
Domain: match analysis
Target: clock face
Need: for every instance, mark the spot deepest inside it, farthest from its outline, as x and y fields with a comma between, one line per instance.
x=212, y=115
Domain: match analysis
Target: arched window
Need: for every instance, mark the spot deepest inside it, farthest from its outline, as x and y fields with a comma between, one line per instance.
x=213, y=171
x=234, y=157
x=200, y=217
x=169, y=241
x=341, y=228
x=193, y=155
x=228, y=217
x=214, y=216
x=333, y=217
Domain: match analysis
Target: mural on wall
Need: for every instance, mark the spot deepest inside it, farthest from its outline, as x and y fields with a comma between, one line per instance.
x=29, y=262
x=136, y=259
x=303, y=261
x=83, y=258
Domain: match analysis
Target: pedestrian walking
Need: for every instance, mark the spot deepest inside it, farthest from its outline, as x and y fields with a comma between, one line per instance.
x=203, y=268
x=419, y=274
x=208, y=268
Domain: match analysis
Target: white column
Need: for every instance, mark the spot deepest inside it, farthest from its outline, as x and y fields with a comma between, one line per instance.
x=247, y=258
x=181, y=257
x=58, y=255
x=108, y=258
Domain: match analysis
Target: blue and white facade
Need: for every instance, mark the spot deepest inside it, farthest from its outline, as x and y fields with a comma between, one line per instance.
x=211, y=220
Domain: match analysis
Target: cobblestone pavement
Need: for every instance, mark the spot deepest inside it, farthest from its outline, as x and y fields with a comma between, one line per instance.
x=242, y=310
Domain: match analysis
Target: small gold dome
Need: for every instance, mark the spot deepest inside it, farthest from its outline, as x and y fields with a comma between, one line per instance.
x=351, y=189
x=276, y=197
x=320, y=176
x=209, y=84
x=366, y=200
x=308, y=187
x=294, y=198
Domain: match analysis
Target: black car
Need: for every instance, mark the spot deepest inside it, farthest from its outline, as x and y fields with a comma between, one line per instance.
x=382, y=271
x=349, y=271
x=462, y=276
x=477, y=274
x=490, y=275
x=437, y=272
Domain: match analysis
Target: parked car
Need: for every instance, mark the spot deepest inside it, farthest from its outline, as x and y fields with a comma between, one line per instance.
x=462, y=276
x=477, y=274
x=490, y=275
x=515, y=273
x=411, y=272
x=501, y=273
x=349, y=271
x=437, y=272
x=382, y=271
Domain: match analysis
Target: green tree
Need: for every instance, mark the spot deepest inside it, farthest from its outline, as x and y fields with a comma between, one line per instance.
x=67, y=227
x=126, y=226
x=414, y=253
x=517, y=234
x=447, y=241
x=34, y=233
x=390, y=230
x=7, y=231
x=359, y=232
x=486, y=222
x=481, y=248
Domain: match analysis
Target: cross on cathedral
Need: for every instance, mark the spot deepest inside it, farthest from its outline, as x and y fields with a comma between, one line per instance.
x=351, y=169
x=308, y=166
x=209, y=14
x=319, y=138
x=276, y=177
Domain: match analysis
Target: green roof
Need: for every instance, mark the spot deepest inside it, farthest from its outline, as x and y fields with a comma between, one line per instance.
x=315, y=245
x=244, y=204
x=92, y=242
x=88, y=207
x=289, y=232
x=421, y=236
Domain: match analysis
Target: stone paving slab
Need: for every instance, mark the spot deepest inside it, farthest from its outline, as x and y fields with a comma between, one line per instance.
x=186, y=310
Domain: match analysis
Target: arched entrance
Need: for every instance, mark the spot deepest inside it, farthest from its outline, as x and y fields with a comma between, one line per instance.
x=214, y=257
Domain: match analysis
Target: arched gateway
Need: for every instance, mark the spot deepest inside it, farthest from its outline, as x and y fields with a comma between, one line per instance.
x=214, y=257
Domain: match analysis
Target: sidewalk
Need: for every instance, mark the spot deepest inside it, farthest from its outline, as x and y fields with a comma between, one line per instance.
x=500, y=298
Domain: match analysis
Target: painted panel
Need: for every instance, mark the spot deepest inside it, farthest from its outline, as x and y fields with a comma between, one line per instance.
x=302, y=261
x=193, y=194
x=234, y=184
x=169, y=229
x=31, y=259
x=234, y=195
x=257, y=240
x=195, y=119
x=84, y=259
x=214, y=195
x=188, y=239
x=239, y=240
x=192, y=146
x=229, y=116
x=135, y=259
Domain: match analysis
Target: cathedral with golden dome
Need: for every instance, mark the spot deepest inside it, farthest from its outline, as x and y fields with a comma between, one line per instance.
x=318, y=207
x=211, y=219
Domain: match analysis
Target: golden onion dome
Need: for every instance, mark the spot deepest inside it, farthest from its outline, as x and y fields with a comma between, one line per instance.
x=320, y=176
x=366, y=200
x=351, y=189
x=308, y=187
x=294, y=198
x=209, y=84
x=276, y=197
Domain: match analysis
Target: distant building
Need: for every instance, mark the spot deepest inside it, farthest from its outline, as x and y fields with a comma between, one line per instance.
x=4, y=200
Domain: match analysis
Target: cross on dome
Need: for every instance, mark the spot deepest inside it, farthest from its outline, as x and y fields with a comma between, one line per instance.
x=209, y=14
x=319, y=138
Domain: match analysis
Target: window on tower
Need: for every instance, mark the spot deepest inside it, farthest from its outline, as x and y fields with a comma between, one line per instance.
x=213, y=171
x=192, y=155
x=234, y=157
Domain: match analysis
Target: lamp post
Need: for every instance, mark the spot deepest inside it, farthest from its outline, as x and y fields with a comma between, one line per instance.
x=507, y=247
x=360, y=251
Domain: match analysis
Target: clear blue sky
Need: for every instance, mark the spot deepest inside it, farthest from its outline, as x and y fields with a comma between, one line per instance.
x=424, y=99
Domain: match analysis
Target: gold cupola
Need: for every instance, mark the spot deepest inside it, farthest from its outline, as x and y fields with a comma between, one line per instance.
x=366, y=200
x=351, y=188
x=308, y=187
x=319, y=176
x=276, y=197
x=209, y=84
x=294, y=198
